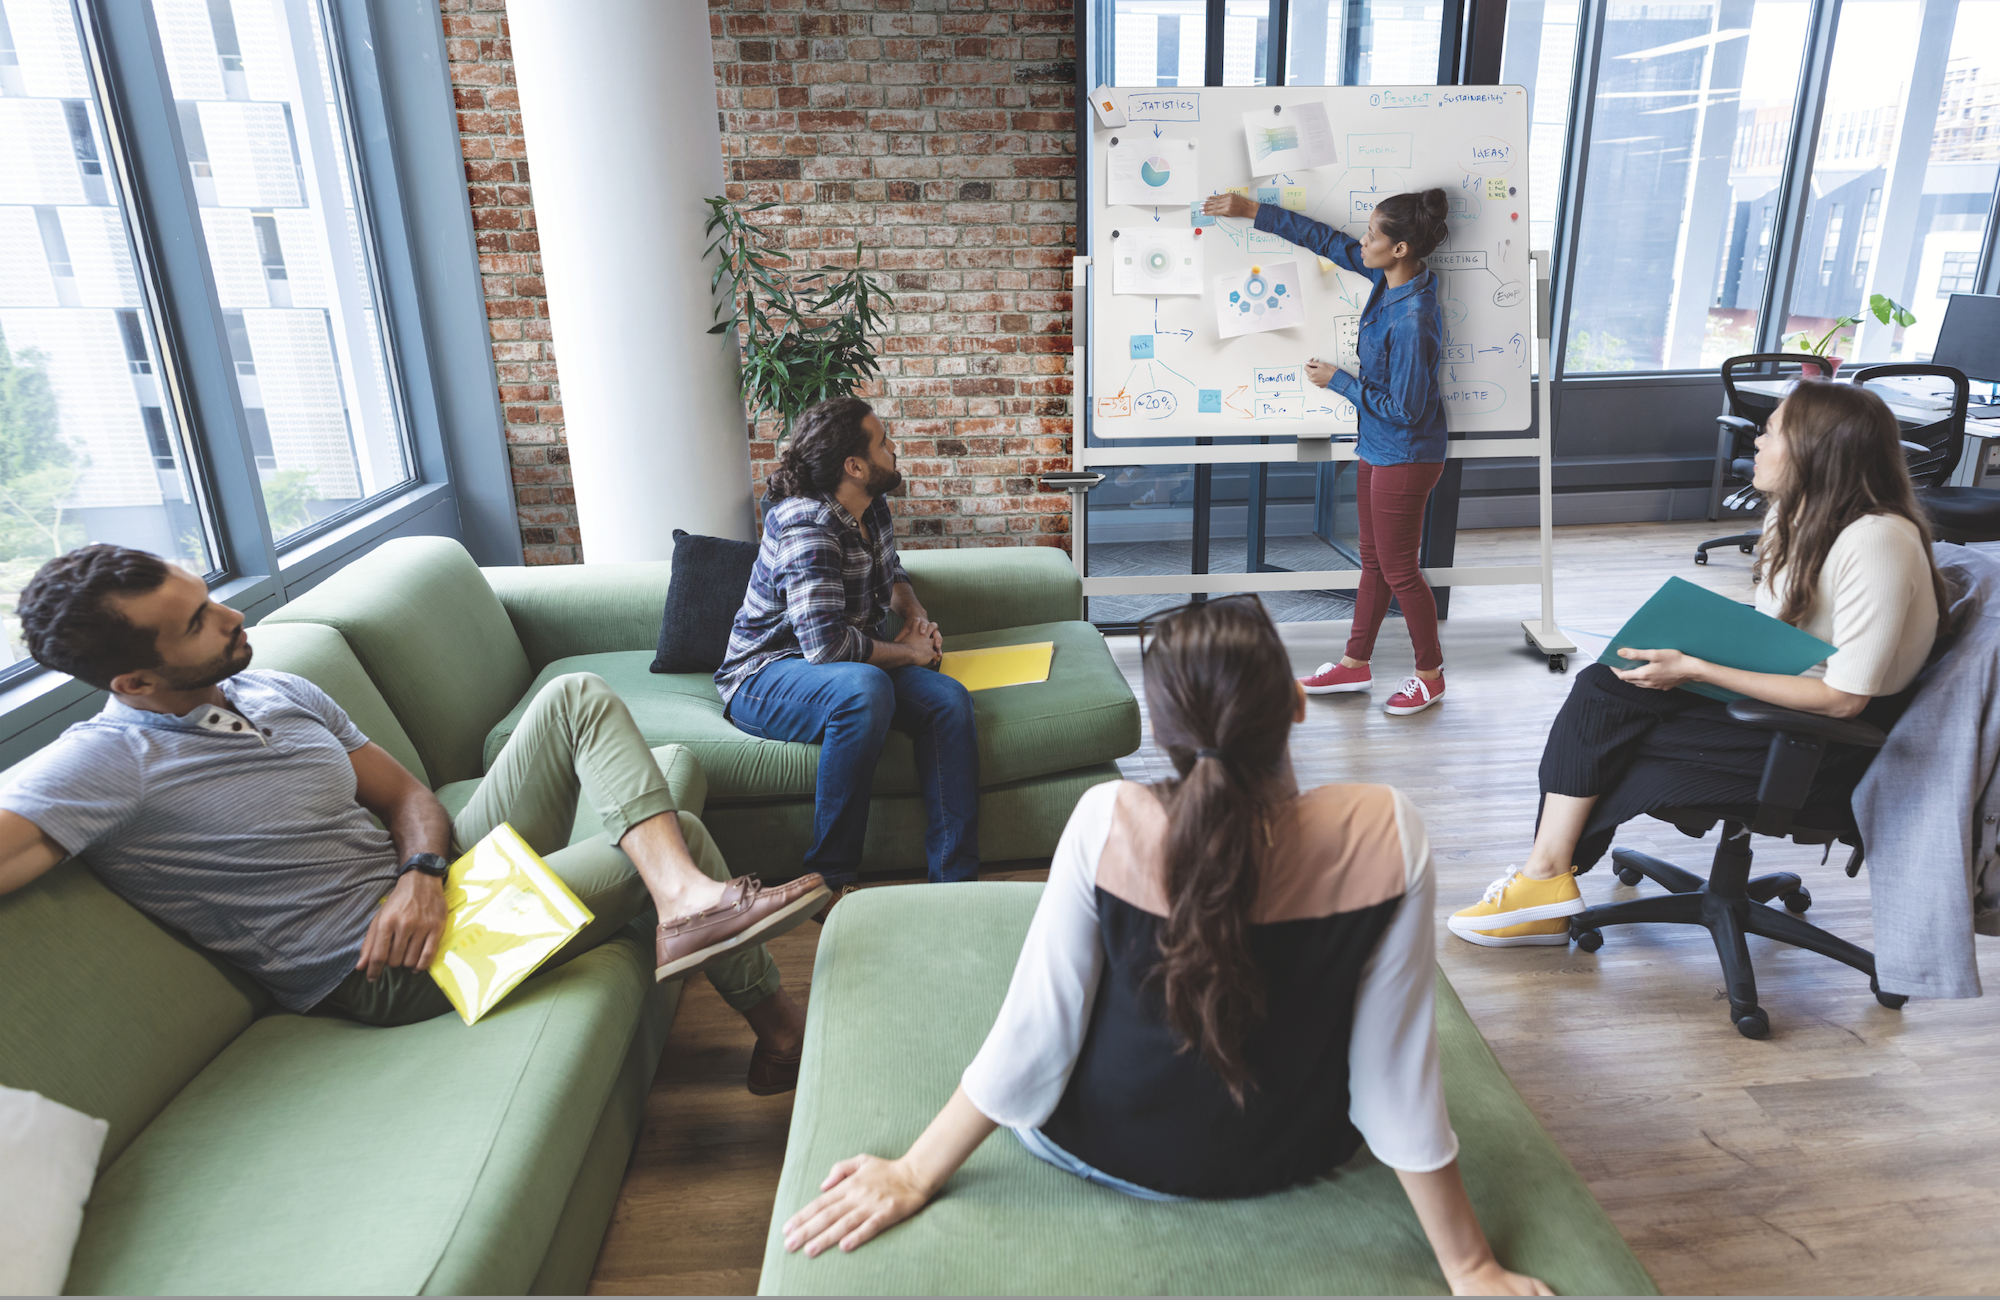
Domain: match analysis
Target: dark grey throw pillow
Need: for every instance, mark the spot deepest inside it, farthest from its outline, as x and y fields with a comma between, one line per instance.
x=711, y=575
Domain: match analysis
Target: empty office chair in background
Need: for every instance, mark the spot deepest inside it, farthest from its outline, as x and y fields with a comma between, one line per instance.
x=1957, y=514
x=1737, y=428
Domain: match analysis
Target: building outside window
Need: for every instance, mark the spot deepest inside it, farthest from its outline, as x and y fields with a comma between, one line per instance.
x=1159, y=42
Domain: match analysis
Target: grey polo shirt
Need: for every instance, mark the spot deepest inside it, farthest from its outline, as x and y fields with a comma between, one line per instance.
x=237, y=827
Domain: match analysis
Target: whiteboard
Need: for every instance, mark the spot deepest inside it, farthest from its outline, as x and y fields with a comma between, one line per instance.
x=1159, y=365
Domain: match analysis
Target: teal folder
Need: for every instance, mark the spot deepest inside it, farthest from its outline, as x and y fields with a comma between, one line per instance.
x=1696, y=621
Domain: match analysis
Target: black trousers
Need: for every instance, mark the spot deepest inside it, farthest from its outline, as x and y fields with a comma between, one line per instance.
x=1640, y=750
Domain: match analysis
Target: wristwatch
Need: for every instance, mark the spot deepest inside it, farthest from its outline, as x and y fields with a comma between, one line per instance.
x=431, y=864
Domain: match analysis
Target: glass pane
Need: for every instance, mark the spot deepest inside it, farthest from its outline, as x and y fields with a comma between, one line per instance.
x=1540, y=55
x=1158, y=42
x=261, y=124
x=1903, y=179
x=1362, y=43
x=1246, y=29
x=1693, y=112
x=90, y=450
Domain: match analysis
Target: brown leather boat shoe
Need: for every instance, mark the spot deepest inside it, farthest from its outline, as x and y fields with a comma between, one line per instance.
x=770, y=1073
x=750, y=913
x=838, y=894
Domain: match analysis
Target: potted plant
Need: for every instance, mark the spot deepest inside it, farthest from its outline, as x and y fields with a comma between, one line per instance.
x=1882, y=308
x=805, y=335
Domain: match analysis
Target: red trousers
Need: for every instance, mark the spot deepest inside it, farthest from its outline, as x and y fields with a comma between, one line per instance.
x=1391, y=501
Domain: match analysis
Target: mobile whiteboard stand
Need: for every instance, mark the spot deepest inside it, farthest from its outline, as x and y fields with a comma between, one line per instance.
x=1542, y=634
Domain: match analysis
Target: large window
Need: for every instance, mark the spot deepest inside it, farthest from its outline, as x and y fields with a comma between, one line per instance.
x=1910, y=140
x=1159, y=42
x=196, y=352
x=1363, y=42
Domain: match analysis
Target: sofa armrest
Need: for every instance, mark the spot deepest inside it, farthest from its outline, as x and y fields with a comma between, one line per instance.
x=559, y=610
x=990, y=588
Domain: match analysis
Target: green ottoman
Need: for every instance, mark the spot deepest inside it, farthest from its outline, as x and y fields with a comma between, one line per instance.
x=878, y=1068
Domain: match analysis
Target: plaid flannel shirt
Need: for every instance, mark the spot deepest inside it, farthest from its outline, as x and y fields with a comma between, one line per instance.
x=819, y=589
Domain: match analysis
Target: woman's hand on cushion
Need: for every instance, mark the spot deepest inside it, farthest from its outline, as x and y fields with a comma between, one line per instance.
x=863, y=1197
x=1320, y=372
x=1663, y=669
x=1491, y=1279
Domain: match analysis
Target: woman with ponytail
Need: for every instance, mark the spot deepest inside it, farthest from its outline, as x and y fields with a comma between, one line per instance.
x=1400, y=414
x=1227, y=986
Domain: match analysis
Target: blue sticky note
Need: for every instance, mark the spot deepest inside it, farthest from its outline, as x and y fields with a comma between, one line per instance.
x=1197, y=216
x=1142, y=347
x=1211, y=401
x=1267, y=194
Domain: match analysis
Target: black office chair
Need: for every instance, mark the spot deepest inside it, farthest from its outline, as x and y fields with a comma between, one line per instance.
x=1730, y=903
x=1958, y=514
x=1743, y=418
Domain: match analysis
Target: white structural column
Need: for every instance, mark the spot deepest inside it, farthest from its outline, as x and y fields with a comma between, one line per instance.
x=618, y=106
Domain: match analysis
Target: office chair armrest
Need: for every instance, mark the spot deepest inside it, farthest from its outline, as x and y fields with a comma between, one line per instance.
x=1737, y=423
x=1914, y=448
x=1769, y=717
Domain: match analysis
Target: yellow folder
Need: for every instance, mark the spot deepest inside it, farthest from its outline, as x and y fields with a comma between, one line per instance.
x=508, y=914
x=1000, y=665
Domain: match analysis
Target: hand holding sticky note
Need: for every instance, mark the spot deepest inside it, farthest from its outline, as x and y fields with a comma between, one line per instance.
x=1696, y=621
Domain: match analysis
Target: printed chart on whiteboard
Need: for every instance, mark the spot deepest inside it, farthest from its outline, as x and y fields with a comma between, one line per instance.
x=1202, y=326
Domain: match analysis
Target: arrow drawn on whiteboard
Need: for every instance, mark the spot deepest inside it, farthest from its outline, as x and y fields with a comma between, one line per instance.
x=1156, y=214
x=1151, y=379
x=1156, y=130
x=1185, y=336
x=1175, y=373
x=1501, y=351
x=1230, y=401
x=1133, y=371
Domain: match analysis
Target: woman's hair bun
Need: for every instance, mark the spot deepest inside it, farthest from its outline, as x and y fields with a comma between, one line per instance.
x=1416, y=219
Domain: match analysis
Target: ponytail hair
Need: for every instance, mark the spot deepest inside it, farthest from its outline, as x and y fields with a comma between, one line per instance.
x=1417, y=220
x=1220, y=693
x=815, y=457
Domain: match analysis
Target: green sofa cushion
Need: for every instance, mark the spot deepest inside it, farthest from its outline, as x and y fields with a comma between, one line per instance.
x=877, y=1069
x=1083, y=715
x=969, y=590
x=321, y=656
x=320, y=1156
x=105, y=1011
x=434, y=639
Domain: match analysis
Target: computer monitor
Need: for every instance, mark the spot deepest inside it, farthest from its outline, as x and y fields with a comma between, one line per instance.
x=1970, y=337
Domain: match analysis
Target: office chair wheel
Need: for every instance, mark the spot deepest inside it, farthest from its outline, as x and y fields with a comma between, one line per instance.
x=1630, y=875
x=1893, y=1001
x=1590, y=940
x=1701, y=557
x=1797, y=901
x=1745, y=549
x=1754, y=1025
x=1558, y=663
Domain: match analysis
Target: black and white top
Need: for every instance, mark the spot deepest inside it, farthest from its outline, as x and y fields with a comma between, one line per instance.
x=1343, y=933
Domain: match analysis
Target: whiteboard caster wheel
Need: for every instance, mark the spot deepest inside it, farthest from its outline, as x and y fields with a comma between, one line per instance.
x=1754, y=1025
x=1558, y=663
x=1529, y=637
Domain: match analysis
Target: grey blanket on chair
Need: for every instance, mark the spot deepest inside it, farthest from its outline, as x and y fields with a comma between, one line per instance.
x=1929, y=807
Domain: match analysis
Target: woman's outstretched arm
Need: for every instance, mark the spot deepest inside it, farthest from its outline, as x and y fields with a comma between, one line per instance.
x=865, y=1196
x=1439, y=1198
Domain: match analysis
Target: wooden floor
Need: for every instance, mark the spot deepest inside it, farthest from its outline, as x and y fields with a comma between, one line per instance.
x=1856, y=1151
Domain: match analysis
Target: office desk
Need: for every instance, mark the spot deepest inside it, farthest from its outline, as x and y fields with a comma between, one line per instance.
x=1908, y=401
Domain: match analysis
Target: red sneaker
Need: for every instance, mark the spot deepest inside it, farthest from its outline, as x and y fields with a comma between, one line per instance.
x=1414, y=695
x=1331, y=679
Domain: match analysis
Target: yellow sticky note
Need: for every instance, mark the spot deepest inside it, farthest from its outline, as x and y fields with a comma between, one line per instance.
x=1244, y=190
x=1325, y=265
x=507, y=913
x=1496, y=187
x=1293, y=197
x=1000, y=665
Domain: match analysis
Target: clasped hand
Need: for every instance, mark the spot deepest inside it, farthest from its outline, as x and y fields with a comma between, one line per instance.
x=1663, y=669
x=920, y=633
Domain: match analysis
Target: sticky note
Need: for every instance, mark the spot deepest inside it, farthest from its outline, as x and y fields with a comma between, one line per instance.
x=1197, y=216
x=1496, y=187
x=1210, y=401
x=1267, y=194
x=1244, y=190
x=1293, y=197
x=1325, y=265
x=1142, y=347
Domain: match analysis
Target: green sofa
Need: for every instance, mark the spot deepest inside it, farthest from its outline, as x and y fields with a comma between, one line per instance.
x=256, y=1151
x=459, y=651
x=876, y=1069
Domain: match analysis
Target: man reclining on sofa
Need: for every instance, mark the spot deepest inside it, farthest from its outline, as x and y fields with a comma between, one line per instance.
x=234, y=806
x=808, y=660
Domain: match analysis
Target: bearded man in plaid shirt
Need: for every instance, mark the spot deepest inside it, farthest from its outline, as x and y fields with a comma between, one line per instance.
x=808, y=659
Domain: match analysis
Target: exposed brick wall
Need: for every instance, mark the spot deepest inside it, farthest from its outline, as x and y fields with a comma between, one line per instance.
x=936, y=132
x=939, y=133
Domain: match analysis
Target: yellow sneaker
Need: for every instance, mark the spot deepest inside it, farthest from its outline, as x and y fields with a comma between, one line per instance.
x=1518, y=911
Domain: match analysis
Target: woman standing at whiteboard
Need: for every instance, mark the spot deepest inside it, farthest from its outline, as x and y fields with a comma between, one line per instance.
x=1401, y=418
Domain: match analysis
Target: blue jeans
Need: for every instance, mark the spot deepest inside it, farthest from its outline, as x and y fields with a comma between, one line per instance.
x=847, y=710
x=1049, y=1153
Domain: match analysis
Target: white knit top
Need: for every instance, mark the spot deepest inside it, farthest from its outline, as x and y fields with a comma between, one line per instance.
x=1873, y=603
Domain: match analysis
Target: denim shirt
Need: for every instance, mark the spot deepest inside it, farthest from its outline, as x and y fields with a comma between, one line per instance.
x=1396, y=400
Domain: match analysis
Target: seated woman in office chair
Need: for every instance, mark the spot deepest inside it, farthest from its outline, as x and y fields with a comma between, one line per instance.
x=1846, y=556
x=1227, y=986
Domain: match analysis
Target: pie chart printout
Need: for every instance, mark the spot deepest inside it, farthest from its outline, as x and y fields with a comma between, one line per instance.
x=1144, y=171
x=1156, y=171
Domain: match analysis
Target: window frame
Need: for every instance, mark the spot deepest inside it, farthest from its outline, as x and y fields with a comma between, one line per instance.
x=401, y=123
